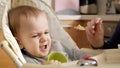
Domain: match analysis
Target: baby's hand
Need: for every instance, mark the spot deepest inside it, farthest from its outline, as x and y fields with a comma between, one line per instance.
x=54, y=62
x=51, y=62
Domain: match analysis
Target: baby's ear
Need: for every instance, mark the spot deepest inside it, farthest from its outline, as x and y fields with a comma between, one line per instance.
x=19, y=42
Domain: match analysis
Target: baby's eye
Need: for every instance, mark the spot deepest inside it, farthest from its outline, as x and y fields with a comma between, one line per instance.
x=46, y=32
x=34, y=36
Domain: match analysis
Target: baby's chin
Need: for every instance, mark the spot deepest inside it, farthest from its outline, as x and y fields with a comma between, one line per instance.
x=43, y=54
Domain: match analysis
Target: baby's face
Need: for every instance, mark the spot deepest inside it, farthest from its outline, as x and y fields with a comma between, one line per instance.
x=34, y=35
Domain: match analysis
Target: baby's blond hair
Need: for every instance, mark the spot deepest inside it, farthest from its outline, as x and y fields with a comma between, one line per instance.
x=15, y=13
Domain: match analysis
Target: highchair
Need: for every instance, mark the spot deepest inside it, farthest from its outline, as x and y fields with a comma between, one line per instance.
x=55, y=28
x=10, y=45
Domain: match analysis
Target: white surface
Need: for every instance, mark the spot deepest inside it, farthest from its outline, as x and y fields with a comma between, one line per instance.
x=89, y=17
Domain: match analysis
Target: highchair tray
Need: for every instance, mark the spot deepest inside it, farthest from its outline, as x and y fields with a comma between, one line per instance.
x=109, y=58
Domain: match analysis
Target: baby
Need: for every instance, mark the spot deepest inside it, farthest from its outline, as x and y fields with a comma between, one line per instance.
x=29, y=26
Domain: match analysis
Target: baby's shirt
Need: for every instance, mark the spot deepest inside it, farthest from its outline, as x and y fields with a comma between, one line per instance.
x=55, y=46
x=73, y=54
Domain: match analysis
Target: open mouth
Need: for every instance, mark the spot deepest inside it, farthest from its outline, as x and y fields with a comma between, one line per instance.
x=44, y=47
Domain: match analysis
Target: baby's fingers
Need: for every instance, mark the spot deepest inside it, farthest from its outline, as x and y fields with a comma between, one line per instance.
x=54, y=62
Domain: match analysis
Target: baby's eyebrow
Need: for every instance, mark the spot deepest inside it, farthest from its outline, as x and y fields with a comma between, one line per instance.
x=47, y=30
x=32, y=33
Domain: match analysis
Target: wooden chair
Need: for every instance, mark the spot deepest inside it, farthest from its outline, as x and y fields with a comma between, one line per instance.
x=5, y=60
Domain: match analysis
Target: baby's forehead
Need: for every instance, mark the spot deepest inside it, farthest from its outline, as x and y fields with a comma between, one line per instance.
x=28, y=16
x=27, y=19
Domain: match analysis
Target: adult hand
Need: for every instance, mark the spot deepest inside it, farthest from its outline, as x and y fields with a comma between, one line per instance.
x=95, y=32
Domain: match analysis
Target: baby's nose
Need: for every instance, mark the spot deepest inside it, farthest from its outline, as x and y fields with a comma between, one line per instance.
x=43, y=39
